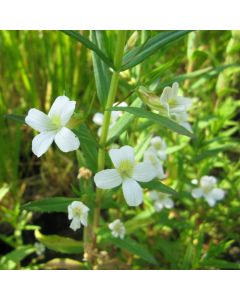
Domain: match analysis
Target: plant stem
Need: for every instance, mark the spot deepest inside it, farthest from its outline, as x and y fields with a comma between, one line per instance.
x=107, y=117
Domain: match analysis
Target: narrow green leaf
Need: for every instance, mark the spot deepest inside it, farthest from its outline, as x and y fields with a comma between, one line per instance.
x=122, y=123
x=88, y=146
x=10, y=260
x=60, y=243
x=135, y=248
x=159, y=186
x=136, y=56
x=51, y=204
x=20, y=253
x=90, y=45
x=101, y=70
x=16, y=118
x=155, y=118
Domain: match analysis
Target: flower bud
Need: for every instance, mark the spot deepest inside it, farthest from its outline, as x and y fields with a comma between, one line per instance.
x=149, y=98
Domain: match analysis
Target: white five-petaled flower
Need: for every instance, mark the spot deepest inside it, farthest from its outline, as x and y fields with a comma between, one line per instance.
x=159, y=146
x=78, y=213
x=172, y=102
x=52, y=127
x=161, y=200
x=117, y=228
x=115, y=115
x=126, y=173
x=151, y=157
x=208, y=190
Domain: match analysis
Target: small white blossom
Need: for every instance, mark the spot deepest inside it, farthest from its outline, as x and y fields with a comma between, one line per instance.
x=78, y=213
x=126, y=173
x=172, y=102
x=161, y=200
x=208, y=190
x=194, y=181
x=115, y=115
x=159, y=146
x=40, y=248
x=182, y=119
x=52, y=127
x=117, y=228
x=151, y=157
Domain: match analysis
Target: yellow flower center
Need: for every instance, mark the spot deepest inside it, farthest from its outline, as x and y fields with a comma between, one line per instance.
x=77, y=211
x=152, y=159
x=172, y=102
x=56, y=121
x=125, y=168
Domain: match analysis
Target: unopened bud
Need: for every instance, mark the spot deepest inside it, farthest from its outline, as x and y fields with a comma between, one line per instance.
x=84, y=173
x=149, y=98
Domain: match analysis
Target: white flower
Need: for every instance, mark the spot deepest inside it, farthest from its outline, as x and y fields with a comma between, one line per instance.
x=40, y=248
x=182, y=119
x=126, y=173
x=159, y=145
x=117, y=228
x=98, y=117
x=194, y=181
x=172, y=102
x=52, y=127
x=207, y=189
x=151, y=157
x=78, y=213
x=161, y=200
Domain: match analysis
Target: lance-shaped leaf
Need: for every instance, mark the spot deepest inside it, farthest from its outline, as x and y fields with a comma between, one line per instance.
x=90, y=45
x=101, y=70
x=159, y=186
x=135, y=248
x=16, y=118
x=59, y=243
x=51, y=204
x=155, y=118
x=137, y=55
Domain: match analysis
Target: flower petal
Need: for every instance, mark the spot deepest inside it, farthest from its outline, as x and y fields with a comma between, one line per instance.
x=98, y=118
x=42, y=142
x=168, y=203
x=187, y=102
x=38, y=120
x=124, y=153
x=63, y=108
x=144, y=172
x=210, y=200
x=158, y=205
x=218, y=194
x=107, y=179
x=197, y=193
x=175, y=87
x=132, y=192
x=66, y=140
x=153, y=195
x=75, y=224
x=151, y=157
x=84, y=218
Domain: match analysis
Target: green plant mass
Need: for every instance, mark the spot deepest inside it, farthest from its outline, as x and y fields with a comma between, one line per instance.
x=119, y=150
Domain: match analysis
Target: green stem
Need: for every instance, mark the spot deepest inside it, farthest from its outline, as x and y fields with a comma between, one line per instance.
x=107, y=117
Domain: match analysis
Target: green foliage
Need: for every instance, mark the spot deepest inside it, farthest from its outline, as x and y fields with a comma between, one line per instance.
x=59, y=243
x=51, y=204
x=155, y=118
